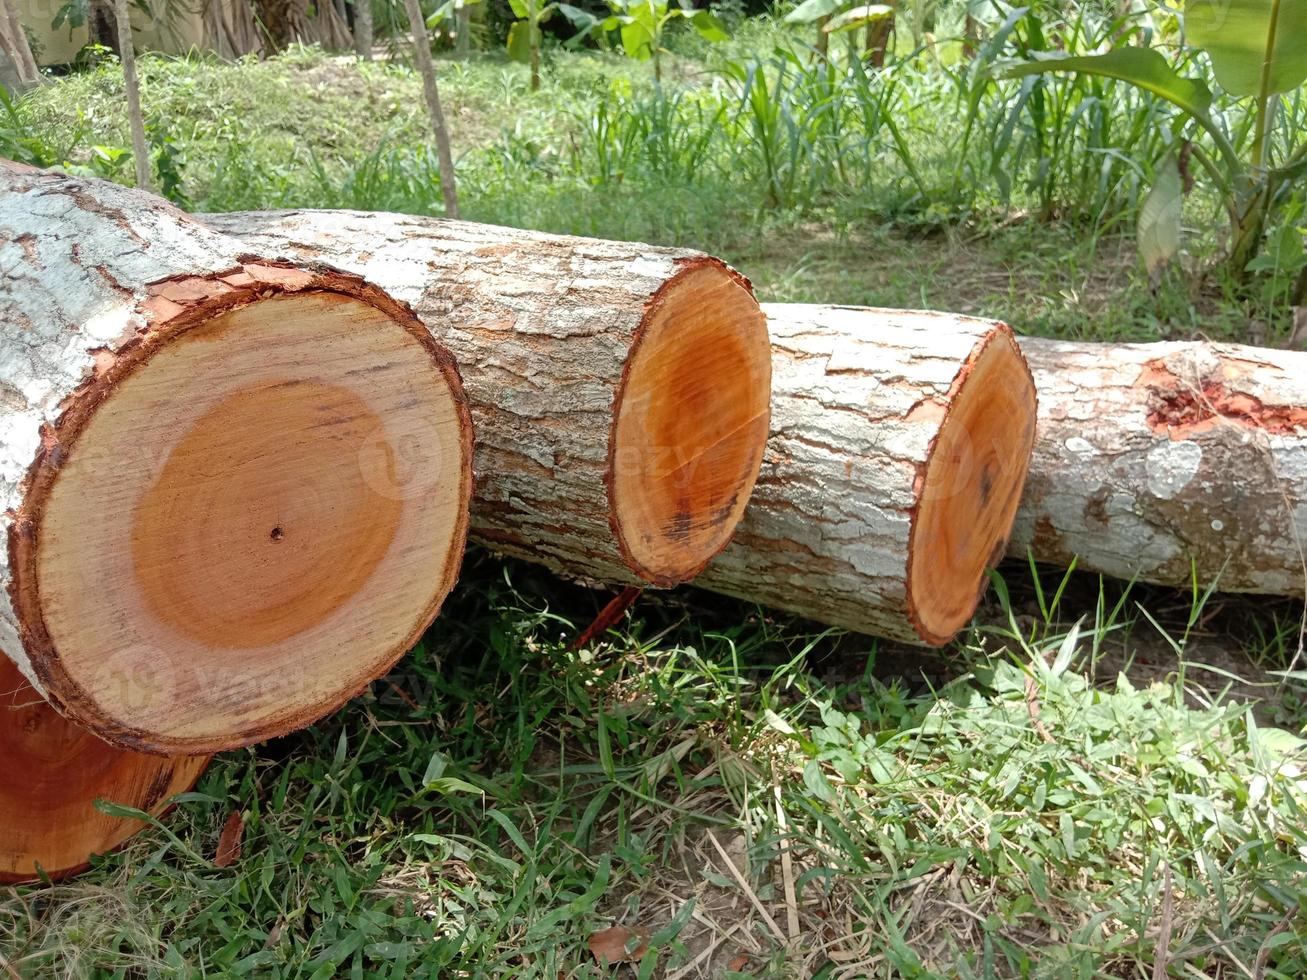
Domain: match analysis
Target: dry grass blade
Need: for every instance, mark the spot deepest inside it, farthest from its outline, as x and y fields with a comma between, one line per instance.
x=787, y=872
x=749, y=892
x=1162, y=951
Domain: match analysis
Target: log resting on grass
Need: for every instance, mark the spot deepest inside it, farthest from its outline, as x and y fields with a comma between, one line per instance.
x=1168, y=462
x=52, y=772
x=619, y=390
x=234, y=491
x=898, y=449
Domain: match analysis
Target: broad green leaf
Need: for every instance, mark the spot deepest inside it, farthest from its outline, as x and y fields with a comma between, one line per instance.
x=448, y=785
x=435, y=768
x=637, y=39
x=582, y=19
x=440, y=13
x=520, y=10
x=1142, y=67
x=519, y=41
x=857, y=17
x=815, y=781
x=1236, y=34
x=1159, y=218
x=708, y=25
x=812, y=10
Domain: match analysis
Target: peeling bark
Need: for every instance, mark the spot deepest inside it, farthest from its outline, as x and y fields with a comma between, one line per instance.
x=100, y=284
x=1169, y=461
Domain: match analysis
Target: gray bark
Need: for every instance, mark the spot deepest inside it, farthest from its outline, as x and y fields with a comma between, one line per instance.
x=542, y=326
x=1168, y=461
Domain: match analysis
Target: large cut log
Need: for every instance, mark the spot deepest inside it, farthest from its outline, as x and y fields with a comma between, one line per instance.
x=899, y=446
x=233, y=491
x=1169, y=461
x=52, y=772
x=619, y=391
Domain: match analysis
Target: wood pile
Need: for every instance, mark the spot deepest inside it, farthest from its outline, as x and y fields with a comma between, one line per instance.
x=240, y=457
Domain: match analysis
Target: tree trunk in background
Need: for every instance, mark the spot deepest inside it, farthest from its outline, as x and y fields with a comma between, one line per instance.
x=230, y=29
x=52, y=775
x=13, y=41
x=619, y=391
x=188, y=565
x=823, y=39
x=278, y=18
x=878, y=37
x=363, y=29
x=100, y=24
x=1164, y=461
x=127, y=53
x=464, y=22
x=328, y=27
x=422, y=55
x=899, y=446
x=971, y=38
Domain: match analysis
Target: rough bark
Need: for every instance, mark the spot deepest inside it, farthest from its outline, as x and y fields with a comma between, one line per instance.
x=230, y=28
x=127, y=54
x=328, y=27
x=1165, y=461
x=14, y=43
x=431, y=93
x=463, y=40
x=544, y=327
x=363, y=29
x=51, y=774
x=899, y=444
x=878, y=39
x=131, y=334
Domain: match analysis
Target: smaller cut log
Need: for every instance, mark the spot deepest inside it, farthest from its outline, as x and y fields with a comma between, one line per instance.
x=1170, y=462
x=619, y=390
x=899, y=445
x=51, y=774
x=233, y=491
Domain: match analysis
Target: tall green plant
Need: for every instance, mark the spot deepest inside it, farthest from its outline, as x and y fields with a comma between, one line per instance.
x=525, y=36
x=640, y=26
x=1257, y=52
x=838, y=16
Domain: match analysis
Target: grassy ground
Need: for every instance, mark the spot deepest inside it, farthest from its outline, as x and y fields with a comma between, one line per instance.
x=309, y=129
x=743, y=795
x=746, y=796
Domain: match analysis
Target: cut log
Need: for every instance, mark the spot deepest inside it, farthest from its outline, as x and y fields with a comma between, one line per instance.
x=1169, y=462
x=899, y=446
x=619, y=391
x=233, y=491
x=52, y=772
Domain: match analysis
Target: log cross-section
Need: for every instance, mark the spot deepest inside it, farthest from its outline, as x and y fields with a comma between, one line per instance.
x=899, y=445
x=234, y=491
x=52, y=772
x=620, y=391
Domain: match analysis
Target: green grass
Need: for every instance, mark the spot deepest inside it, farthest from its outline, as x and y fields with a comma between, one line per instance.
x=850, y=191
x=731, y=786
x=756, y=796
